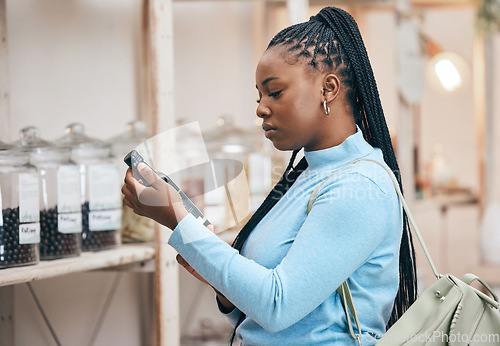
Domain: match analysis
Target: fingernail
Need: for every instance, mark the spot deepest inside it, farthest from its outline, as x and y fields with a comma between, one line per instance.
x=141, y=166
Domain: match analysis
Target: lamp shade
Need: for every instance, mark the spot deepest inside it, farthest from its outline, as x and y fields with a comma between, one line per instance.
x=447, y=72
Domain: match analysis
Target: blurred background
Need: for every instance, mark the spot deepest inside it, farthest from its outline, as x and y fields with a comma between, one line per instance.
x=106, y=64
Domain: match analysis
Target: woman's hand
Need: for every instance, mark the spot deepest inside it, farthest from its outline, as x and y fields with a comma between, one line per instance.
x=228, y=306
x=159, y=201
x=190, y=269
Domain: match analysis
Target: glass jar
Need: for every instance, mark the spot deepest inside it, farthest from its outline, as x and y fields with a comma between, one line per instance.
x=19, y=203
x=60, y=209
x=100, y=185
x=232, y=149
x=135, y=228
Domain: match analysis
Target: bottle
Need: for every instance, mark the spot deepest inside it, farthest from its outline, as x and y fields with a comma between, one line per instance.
x=236, y=174
x=20, y=214
x=100, y=188
x=60, y=209
x=135, y=228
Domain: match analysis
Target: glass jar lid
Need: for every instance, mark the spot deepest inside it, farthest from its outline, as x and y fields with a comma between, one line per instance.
x=13, y=157
x=229, y=139
x=83, y=146
x=74, y=135
x=50, y=155
x=29, y=138
x=135, y=133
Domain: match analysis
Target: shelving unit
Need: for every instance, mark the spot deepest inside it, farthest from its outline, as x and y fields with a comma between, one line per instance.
x=120, y=258
x=156, y=103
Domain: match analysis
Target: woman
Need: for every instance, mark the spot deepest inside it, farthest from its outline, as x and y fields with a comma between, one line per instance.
x=277, y=284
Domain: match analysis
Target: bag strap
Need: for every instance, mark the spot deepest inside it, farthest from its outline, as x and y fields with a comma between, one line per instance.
x=347, y=302
x=343, y=290
x=411, y=220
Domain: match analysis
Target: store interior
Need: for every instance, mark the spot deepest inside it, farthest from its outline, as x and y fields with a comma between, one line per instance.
x=113, y=72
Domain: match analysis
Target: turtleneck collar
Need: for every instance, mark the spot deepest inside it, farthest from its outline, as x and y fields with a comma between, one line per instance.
x=354, y=147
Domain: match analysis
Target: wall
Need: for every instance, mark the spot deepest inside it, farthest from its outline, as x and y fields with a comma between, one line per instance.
x=214, y=69
x=73, y=61
x=448, y=118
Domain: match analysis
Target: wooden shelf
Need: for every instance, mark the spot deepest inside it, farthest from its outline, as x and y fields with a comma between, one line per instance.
x=121, y=256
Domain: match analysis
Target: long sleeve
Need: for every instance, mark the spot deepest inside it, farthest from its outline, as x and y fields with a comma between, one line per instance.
x=346, y=224
x=287, y=273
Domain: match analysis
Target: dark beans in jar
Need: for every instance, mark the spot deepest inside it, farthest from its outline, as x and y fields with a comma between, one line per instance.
x=11, y=252
x=54, y=244
x=96, y=240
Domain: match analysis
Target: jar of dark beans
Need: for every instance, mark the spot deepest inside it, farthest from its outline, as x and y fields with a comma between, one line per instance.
x=20, y=213
x=100, y=189
x=60, y=206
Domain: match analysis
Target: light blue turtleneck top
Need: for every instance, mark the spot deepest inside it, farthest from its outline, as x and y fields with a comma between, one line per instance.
x=285, y=278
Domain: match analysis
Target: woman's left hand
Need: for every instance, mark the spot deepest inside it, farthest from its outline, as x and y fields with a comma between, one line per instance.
x=159, y=201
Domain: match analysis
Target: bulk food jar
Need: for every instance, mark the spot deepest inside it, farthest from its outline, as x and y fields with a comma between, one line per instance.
x=100, y=185
x=232, y=149
x=20, y=213
x=135, y=228
x=60, y=209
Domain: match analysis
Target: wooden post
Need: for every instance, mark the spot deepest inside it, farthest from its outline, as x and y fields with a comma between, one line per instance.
x=144, y=70
x=480, y=116
x=7, y=315
x=162, y=118
x=4, y=77
x=6, y=293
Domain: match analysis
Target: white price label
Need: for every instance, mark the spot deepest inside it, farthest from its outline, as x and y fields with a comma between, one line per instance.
x=104, y=187
x=29, y=203
x=105, y=220
x=68, y=189
x=69, y=222
x=29, y=233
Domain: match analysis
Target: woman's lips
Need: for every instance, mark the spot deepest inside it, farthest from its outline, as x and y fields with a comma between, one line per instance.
x=268, y=130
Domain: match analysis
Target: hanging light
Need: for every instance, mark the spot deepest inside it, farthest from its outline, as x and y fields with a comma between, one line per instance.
x=449, y=69
x=445, y=70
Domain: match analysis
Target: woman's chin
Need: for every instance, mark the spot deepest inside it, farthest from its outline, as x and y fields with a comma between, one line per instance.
x=284, y=146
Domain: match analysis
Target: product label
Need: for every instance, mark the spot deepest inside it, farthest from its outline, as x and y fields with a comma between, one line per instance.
x=105, y=220
x=68, y=189
x=29, y=203
x=29, y=233
x=1, y=209
x=69, y=222
x=104, y=187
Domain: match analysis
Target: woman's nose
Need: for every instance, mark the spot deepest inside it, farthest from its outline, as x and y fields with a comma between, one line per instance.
x=262, y=110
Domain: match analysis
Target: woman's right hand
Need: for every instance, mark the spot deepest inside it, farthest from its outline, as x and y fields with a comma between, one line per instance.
x=190, y=269
x=228, y=306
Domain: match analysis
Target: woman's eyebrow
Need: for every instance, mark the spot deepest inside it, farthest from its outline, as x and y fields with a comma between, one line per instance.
x=267, y=80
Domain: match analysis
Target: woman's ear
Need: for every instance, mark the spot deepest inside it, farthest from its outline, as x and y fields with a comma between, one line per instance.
x=331, y=87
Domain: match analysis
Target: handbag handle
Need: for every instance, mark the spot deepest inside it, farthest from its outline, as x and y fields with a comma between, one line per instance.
x=343, y=290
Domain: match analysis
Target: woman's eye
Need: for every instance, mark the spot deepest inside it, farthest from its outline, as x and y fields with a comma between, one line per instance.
x=275, y=94
x=258, y=100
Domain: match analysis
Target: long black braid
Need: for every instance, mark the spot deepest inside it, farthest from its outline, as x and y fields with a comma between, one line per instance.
x=331, y=40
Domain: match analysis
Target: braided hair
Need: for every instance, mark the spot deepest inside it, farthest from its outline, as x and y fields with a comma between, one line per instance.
x=331, y=40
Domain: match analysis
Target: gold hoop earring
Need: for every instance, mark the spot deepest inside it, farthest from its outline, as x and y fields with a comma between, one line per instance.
x=326, y=108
